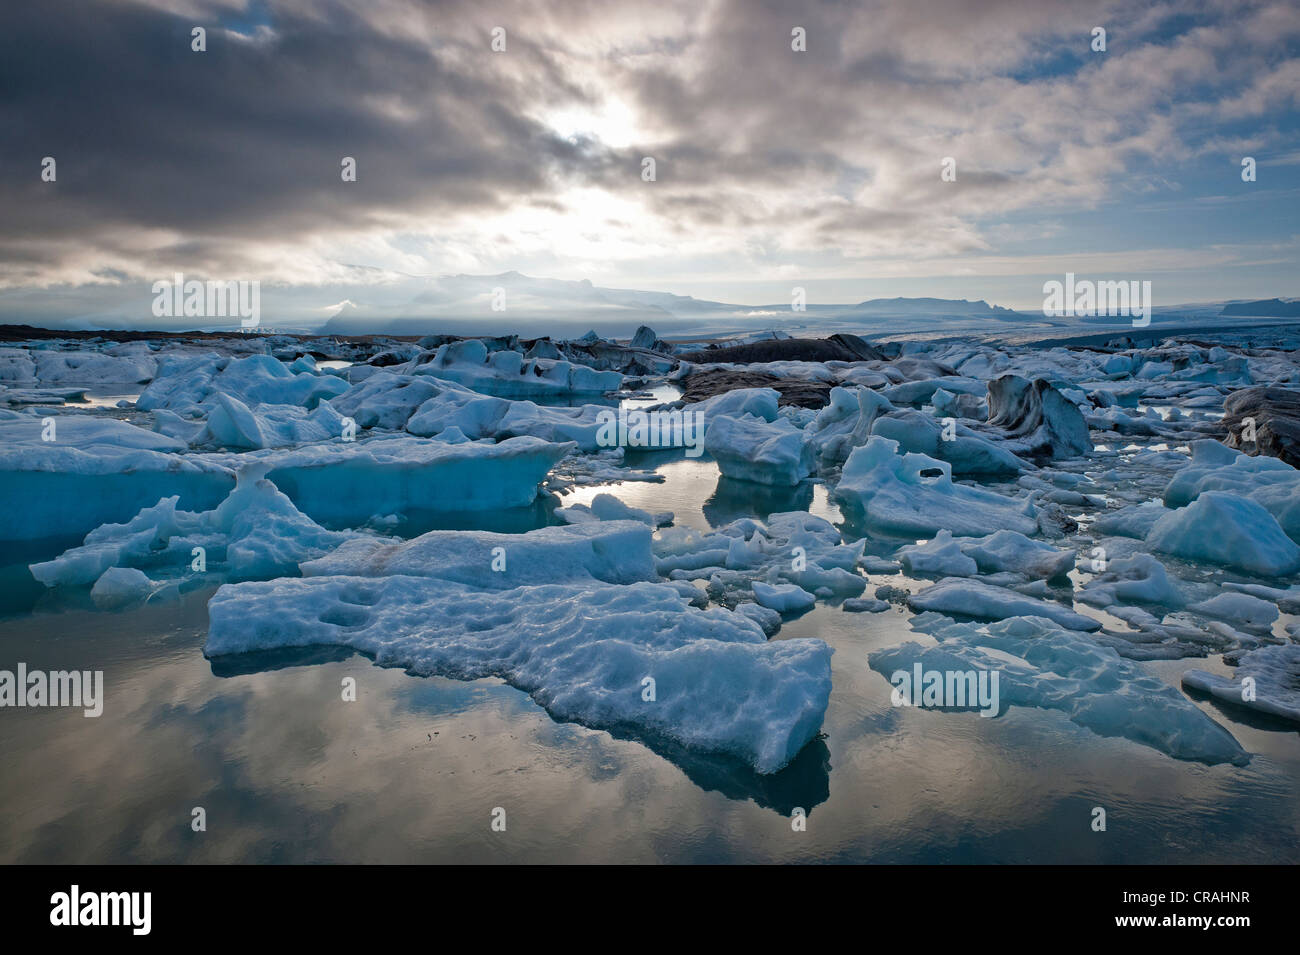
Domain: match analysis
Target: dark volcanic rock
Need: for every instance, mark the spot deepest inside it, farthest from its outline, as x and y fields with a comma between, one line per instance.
x=794, y=391
x=835, y=348
x=1276, y=414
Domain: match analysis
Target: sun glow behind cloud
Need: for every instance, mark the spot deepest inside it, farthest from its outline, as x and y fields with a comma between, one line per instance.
x=610, y=123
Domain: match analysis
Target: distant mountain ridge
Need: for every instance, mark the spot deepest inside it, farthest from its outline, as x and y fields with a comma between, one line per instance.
x=460, y=304
x=1266, y=308
x=376, y=302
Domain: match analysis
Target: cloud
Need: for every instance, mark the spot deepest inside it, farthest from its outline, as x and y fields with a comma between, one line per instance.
x=227, y=162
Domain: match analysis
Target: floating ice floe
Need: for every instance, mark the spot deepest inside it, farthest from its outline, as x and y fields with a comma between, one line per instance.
x=1135, y=520
x=1222, y=528
x=508, y=374
x=965, y=450
x=941, y=557
x=1272, y=484
x=975, y=598
x=1138, y=578
x=19, y=397
x=74, y=472
x=603, y=467
x=232, y=426
x=1042, y=664
x=739, y=402
x=102, y=471
x=765, y=452
x=256, y=532
x=120, y=587
x=606, y=507
x=126, y=364
x=189, y=384
x=609, y=551
x=783, y=598
x=913, y=495
x=790, y=548
x=1275, y=674
x=584, y=652
x=865, y=605
x=845, y=423
x=387, y=401
x=854, y=415
x=922, y=390
x=1005, y=552
x=431, y=407
x=345, y=483
x=1240, y=609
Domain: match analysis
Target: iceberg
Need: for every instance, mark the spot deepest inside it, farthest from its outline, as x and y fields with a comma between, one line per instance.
x=792, y=547
x=751, y=449
x=256, y=532
x=964, y=449
x=1222, y=528
x=913, y=495
x=1138, y=578
x=1039, y=420
x=188, y=383
x=508, y=374
x=845, y=423
x=1272, y=484
x=95, y=471
x=941, y=557
x=346, y=483
x=120, y=587
x=233, y=426
x=606, y=507
x=104, y=471
x=1238, y=608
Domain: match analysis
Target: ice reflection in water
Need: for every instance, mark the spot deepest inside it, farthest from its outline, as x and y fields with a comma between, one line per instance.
x=289, y=772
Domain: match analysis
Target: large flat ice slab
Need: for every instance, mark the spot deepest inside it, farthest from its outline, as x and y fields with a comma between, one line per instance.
x=581, y=651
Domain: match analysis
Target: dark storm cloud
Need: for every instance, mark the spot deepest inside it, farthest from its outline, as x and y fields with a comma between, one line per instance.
x=246, y=139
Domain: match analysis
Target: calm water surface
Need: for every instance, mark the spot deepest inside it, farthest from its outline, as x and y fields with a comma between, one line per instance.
x=288, y=772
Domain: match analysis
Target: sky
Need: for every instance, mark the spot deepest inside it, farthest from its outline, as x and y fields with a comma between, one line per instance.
x=773, y=167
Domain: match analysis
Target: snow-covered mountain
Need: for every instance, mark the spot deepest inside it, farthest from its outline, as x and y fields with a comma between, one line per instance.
x=375, y=302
